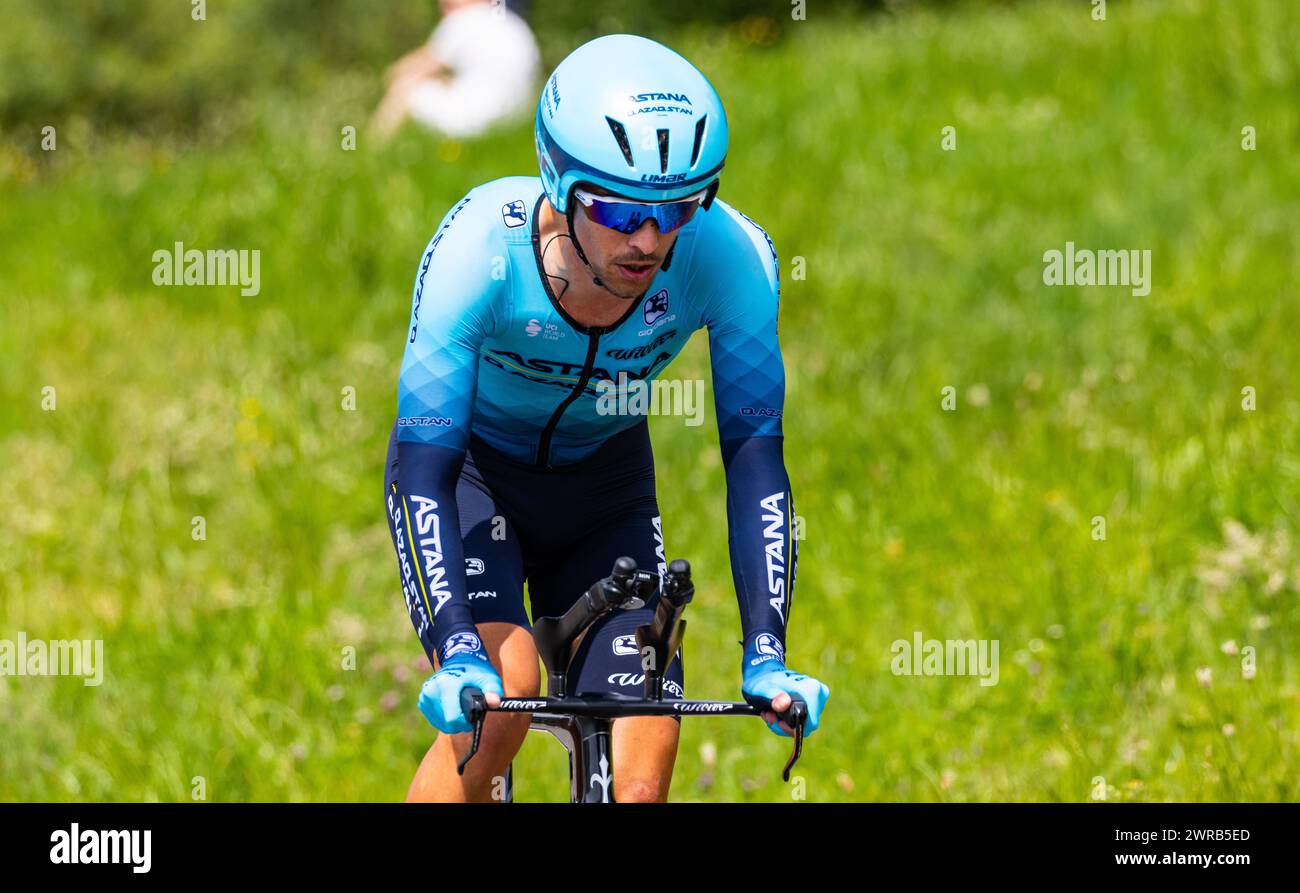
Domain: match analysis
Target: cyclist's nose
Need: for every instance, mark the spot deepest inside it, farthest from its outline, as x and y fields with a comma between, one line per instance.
x=646, y=238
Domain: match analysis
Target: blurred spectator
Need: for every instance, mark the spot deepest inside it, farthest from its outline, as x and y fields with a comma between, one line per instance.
x=479, y=66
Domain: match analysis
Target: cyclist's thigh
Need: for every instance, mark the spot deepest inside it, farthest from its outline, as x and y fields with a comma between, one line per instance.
x=494, y=564
x=607, y=660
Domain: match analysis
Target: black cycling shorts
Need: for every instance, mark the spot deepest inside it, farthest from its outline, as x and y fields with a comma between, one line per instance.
x=560, y=529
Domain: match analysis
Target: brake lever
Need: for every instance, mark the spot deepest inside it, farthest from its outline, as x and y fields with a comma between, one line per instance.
x=474, y=706
x=794, y=716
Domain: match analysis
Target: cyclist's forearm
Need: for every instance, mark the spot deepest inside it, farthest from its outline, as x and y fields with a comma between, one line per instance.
x=430, y=554
x=759, y=519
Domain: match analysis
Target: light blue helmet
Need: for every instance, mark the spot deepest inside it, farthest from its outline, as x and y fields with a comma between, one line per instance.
x=632, y=116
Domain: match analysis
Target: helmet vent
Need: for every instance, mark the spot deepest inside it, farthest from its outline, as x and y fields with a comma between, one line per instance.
x=620, y=134
x=699, y=139
x=663, y=150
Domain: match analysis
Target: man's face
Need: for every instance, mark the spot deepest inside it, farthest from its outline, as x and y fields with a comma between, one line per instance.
x=624, y=262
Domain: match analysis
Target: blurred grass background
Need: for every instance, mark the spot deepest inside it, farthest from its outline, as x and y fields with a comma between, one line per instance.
x=923, y=271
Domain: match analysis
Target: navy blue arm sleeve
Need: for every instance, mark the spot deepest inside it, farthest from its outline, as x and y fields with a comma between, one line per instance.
x=760, y=519
x=426, y=532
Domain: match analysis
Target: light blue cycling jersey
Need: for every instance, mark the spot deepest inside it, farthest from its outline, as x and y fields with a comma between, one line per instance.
x=490, y=351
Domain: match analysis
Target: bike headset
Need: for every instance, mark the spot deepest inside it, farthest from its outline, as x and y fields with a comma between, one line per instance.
x=631, y=116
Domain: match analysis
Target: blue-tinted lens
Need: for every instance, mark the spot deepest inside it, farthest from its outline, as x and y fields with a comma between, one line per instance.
x=628, y=218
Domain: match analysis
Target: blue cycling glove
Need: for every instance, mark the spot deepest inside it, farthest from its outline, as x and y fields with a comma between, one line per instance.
x=764, y=676
x=440, y=694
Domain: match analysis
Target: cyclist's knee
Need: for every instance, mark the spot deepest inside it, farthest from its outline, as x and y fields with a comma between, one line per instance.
x=638, y=790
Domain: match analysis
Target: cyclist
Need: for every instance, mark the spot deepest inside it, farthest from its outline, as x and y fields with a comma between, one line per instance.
x=532, y=299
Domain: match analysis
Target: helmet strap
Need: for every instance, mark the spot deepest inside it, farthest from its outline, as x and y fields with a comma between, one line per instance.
x=708, y=198
x=668, y=258
x=573, y=237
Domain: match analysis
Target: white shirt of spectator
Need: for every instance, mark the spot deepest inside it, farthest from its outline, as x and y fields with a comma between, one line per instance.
x=493, y=58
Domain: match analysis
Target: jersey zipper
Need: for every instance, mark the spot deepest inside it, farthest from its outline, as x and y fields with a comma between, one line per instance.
x=588, y=367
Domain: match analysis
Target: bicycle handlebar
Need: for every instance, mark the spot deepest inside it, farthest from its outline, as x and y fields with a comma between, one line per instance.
x=475, y=706
x=626, y=587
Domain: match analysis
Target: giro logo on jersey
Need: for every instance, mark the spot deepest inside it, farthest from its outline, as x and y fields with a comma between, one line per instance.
x=769, y=646
x=655, y=306
x=473, y=566
x=485, y=593
x=625, y=645
x=514, y=213
x=460, y=643
x=626, y=679
x=774, y=533
x=77, y=847
x=429, y=529
x=761, y=411
x=425, y=421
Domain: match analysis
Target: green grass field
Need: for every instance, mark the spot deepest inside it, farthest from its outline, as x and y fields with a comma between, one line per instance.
x=923, y=270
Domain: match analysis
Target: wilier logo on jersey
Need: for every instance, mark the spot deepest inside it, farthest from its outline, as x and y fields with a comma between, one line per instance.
x=774, y=533
x=655, y=306
x=514, y=213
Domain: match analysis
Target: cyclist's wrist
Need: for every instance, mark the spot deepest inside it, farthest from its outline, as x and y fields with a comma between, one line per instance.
x=461, y=645
x=764, y=651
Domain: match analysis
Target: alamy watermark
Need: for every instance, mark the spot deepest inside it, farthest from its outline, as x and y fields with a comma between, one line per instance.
x=1083, y=266
x=636, y=396
x=55, y=657
x=946, y=657
x=216, y=266
x=90, y=847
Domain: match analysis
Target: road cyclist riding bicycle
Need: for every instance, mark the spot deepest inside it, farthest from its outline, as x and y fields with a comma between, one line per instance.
x=533, y=299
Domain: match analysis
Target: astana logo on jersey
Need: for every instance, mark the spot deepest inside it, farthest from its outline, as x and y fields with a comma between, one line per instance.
x=410, y=587
x=774, y=534
x=429, y=531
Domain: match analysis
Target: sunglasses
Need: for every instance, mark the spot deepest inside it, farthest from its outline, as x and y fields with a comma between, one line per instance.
x=626, y=215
